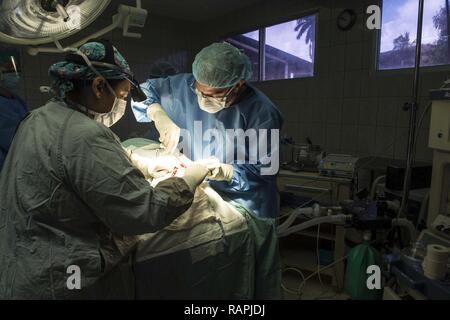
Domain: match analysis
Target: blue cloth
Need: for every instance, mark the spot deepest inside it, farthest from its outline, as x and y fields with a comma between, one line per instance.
x=12, y=111
x=248, y=187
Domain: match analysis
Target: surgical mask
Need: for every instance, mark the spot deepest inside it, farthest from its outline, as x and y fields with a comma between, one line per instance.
x=109, y=118
x=10, y=81
x=116, y=113
x=211, y=104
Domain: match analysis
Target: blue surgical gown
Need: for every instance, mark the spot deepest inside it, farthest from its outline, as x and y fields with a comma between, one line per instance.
x=12, y=111
x=248, y=187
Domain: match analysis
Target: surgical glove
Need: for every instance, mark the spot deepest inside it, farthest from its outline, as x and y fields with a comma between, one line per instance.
x=194, y=175
x=217, y=171
x=156, y=167
x=169, y=132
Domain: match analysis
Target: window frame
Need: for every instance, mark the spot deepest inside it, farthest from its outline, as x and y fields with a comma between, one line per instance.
x=261, y=29
x=407, y=70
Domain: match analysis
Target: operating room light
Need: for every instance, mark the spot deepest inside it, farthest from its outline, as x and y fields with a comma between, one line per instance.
x=34, y=22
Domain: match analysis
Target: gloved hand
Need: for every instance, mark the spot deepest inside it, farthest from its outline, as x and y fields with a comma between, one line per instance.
x=169, y=132
x=194, y=175
x=217, y=171
x=154, y=168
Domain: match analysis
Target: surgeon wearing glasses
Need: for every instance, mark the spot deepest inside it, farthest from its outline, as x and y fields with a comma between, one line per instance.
x=217, y=96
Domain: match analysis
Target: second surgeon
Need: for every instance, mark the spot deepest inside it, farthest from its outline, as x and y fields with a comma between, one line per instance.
x=217, y=96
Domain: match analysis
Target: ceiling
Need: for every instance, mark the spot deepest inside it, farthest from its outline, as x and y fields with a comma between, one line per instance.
x=194, y=10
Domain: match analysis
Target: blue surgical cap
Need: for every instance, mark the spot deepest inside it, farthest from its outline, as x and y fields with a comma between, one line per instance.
x=221, y=65
x=64, y=73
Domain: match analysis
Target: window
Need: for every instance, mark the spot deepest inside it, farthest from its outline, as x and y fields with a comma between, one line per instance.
x=397, y=41
x=288, y=49
x=249, y=44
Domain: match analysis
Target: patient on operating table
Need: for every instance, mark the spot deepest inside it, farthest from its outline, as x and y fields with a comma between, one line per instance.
x=156, y=165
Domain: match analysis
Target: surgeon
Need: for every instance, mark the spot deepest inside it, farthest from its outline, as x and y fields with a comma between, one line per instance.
x=71, y=199
x=12, y=108
x=217, y=98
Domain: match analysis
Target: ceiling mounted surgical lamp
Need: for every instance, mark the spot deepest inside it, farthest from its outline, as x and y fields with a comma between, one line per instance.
x=37, y=22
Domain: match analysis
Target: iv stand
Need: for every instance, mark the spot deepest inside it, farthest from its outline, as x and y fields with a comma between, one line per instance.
x=413, y=105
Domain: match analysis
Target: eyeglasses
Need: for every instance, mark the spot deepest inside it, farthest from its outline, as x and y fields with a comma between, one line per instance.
x=205, y=96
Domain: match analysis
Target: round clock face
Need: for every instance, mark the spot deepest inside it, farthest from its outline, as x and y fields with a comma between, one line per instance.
x=346, y=19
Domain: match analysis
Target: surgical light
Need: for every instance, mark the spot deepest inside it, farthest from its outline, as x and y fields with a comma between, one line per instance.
x=38, y=22
x=35, y=22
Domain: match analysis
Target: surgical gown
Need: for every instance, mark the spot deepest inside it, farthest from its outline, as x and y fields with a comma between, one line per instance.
x=12, y=111
x=250, y=188
x=71, y=197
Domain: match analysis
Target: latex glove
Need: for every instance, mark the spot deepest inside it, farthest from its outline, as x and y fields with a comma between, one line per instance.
x=194, y=175
x=169, y=132
x=217, y=171
x=154, y=168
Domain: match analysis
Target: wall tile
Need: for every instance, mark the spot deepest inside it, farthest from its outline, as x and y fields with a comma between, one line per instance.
x=368, y=54
x=368, y=109
x=337, y=85
x=350, y=111
x=312, y=88
x=353, y=56
x=322, y=61
x=306, y=131
x=334, y=111
x=318, y=134
x=366, y=140
x=385, y=141
x=369, y=85
x=305, y=111
x=401, y=143
x=337, y=58
x=352, y=84
x=291, y=129
x=323, y=32
x=349, y=142
x=289, y=108
x=389, y=86
x=333, y=138
x=387, y=111
x=319, y=111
